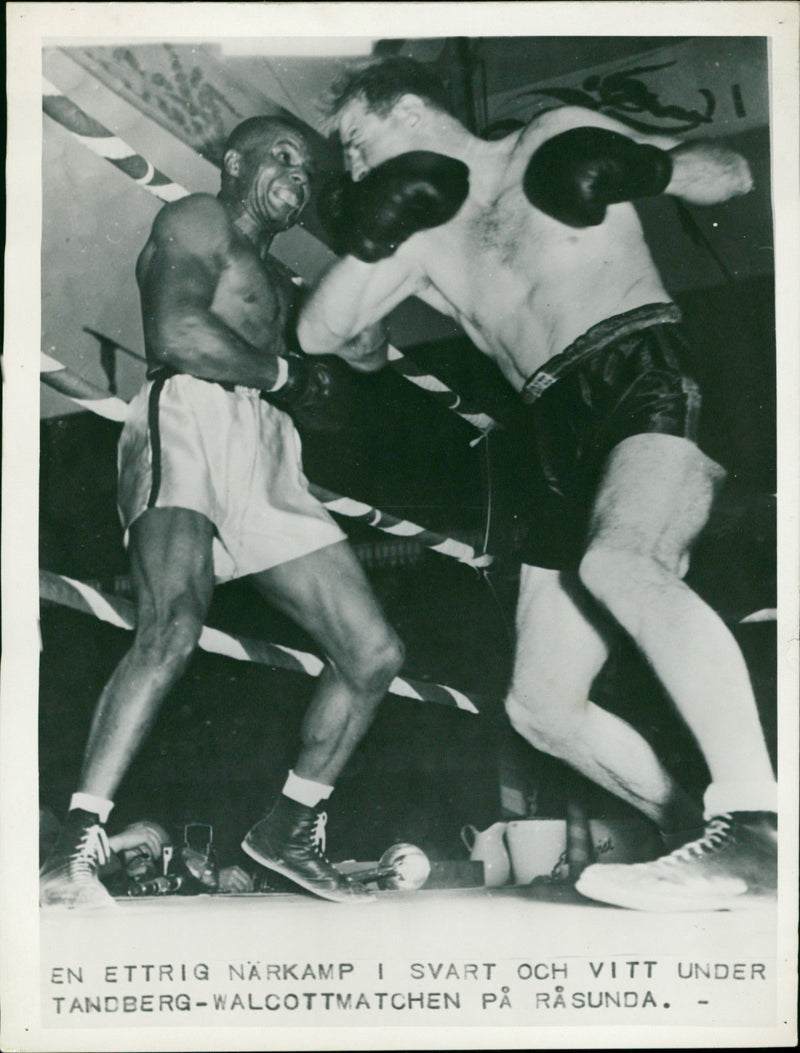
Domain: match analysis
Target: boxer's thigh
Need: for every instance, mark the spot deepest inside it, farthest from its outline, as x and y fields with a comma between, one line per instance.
x=328, y=594
x=654, y=498
x=171, y=562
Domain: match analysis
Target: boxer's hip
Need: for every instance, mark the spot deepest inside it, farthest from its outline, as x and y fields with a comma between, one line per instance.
x=625, y=376
x=232, y=457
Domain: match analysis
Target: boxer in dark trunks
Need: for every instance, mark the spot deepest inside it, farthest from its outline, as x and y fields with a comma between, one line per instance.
x=625, y=376
x=533, y=245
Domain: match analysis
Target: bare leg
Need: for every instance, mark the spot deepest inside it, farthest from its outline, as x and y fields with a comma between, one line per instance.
x=653, y=502
x=561, y=647
x=172, y=571
x=172, y=574
x=327, y=593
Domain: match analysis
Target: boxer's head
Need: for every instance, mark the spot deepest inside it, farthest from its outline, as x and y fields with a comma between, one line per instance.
x=385, y=109
x=267, y=169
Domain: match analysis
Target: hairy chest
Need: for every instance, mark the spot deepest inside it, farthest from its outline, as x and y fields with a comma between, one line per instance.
x=496, y=230
x=493, y=251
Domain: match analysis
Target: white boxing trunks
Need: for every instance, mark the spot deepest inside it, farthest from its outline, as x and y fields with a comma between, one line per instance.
x=228, y=454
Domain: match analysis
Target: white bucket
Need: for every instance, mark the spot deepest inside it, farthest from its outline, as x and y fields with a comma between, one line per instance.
x=538, y=847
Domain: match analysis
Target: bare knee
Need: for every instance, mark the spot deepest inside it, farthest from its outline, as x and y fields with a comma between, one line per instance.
x=375, y=661
x=602, y=568
x=168, y=638
x=549, y=727
x=609, y=571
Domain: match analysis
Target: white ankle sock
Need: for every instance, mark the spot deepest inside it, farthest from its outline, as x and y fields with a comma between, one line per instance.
x=723, y=797
x=306, y=791
x=98, y=806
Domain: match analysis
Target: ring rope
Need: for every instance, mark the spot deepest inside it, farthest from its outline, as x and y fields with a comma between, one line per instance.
x=105, y=144
x=60, y=378
x=67, y=592
x=86, y=394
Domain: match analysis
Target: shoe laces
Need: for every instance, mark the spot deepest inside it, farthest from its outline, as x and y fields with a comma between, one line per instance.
x=91, y=851
x=318, y=833
x=716, y=834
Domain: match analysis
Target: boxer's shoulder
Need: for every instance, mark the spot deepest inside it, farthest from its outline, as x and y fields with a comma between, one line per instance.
x=553, y=122
x=198, y=222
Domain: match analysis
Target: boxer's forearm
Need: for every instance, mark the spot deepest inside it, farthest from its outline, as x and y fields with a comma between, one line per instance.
x=199, y=343
x=351, y=297
x=331, y=314
x=706, y=173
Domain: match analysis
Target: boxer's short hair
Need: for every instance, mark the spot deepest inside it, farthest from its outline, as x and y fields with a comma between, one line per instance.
x=251, y=131
x=380, y=84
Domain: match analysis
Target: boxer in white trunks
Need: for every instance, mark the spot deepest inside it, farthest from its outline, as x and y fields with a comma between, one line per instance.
x=211, y=488
x=533, y=244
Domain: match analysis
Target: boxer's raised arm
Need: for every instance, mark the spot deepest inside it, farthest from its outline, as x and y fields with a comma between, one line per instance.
x=375, y=224
x=178, y=274
x=589, y=160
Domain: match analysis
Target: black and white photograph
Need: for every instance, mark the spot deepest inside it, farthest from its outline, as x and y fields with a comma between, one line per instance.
x=400, y=563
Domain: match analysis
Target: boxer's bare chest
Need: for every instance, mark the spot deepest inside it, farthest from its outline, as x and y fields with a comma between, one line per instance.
x=489, y=260
x=253, y=294
x=497, y=230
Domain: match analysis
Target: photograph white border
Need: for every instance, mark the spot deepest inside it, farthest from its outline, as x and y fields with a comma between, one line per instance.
x=30, y=25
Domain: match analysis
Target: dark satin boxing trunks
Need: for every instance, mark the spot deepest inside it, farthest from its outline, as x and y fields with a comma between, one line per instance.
x=625, y=376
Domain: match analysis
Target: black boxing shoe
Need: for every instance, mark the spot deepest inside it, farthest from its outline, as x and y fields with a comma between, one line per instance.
x=291, y=842
x=733, y=866
x=69, y=875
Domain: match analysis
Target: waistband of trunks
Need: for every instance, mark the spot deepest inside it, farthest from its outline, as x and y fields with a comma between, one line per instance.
x=595, y=339
x=165, y=372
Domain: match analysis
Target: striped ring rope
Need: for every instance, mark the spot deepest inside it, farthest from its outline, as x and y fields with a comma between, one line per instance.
x=63, y=379
x=105, y=144
x=390, y=524
x=58, y=376
x=67, y=592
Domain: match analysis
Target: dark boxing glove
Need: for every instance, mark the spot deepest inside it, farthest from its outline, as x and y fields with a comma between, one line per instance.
x=317, y=392
x=406, y=194
x=574, y=176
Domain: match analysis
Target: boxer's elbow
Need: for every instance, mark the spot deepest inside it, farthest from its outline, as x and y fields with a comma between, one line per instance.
x=368, y=351
x=316, y=337
x=177, y=341
x=734, y=178
x=708, y=173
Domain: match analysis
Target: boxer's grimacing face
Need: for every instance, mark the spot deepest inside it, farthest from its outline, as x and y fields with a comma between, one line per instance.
x=278, y=173
x=369, y=139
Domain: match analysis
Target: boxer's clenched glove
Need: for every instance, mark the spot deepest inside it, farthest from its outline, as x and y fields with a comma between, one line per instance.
x=574, y=176
x=317, y=392
x=408, y=193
